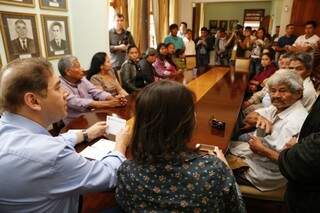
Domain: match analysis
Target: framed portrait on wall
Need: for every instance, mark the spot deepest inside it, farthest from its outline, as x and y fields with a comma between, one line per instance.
x=232, y=24
x=23, y=3
x=223, y=24
x=213, y=24
x=20, y=35
x=54, y=4
x=56, y=36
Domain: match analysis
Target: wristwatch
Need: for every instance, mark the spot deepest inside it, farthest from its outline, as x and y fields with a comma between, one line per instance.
x=85, y=136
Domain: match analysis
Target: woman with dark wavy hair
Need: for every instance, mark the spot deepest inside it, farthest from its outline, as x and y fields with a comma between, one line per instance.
x=165, y=175
x=102, y=76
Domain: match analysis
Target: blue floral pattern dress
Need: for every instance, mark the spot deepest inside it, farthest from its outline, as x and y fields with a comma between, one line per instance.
x=183, y=183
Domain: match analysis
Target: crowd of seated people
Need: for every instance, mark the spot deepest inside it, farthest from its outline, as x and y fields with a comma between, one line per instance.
x=164, y=175
x=103, y=77
x=82, y=94
x=278, y=110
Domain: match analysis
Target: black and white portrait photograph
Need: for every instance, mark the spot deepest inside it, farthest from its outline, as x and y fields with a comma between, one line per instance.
x=233, y=24
x=20, y=35
x=213, y=24
x=56, y=34
x=22, y=3
x=223, y=24
x=54, y=4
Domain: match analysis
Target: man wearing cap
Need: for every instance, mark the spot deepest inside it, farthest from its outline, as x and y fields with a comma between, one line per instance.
x=147, y=69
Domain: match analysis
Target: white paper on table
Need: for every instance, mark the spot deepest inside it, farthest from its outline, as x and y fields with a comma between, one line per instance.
x=98, y=150
x=104, y=145
x=115, y=125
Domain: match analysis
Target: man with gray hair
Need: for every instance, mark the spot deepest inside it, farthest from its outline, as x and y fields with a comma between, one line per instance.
x=276, y=125
x=83, y=95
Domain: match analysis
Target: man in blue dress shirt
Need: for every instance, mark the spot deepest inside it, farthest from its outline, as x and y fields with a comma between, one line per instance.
x=41, y=173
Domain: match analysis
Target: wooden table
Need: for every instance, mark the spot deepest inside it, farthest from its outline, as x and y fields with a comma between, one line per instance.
x=219, y=92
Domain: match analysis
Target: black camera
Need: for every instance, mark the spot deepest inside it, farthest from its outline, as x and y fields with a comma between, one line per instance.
x=216, y=124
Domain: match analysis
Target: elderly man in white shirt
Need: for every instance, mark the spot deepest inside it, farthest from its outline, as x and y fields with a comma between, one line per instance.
x=276, y=126
x=189, y=43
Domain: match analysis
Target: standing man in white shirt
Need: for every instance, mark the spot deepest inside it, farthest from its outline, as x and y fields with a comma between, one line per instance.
x=189, y=43
x=308, y=41
x=182, y=29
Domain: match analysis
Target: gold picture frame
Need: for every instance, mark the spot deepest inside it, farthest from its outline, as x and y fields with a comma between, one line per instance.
x=232, y=24
x=223, y=24
x=22, y=3
x=57, y=40
x=20, y=35
x=60, y=5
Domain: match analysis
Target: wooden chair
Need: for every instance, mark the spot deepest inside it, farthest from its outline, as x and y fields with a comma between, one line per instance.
x=242, y=65
x=264, y=202
x=252, y=192
x=256, y=200
x=191, y=62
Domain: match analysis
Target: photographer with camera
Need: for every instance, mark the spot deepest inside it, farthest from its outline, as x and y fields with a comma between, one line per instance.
x=119, y=40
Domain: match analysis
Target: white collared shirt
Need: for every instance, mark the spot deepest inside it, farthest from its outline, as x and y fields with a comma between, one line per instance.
x=264, y=173
x=190, y=46
x=305, y=42
x=309, y=94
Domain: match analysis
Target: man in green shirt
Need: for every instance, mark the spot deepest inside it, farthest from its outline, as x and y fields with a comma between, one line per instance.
x=173, y=38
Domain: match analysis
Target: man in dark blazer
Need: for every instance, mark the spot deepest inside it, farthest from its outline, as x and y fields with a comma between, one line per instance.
x=57, y=43
x=22, y=44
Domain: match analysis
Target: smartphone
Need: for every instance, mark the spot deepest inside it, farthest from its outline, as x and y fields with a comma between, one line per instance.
x=261, y=132
x=205, y=148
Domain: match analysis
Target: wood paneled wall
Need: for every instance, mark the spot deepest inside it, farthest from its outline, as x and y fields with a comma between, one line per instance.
x=303, y=11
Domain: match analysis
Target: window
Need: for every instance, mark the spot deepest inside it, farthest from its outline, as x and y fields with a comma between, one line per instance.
x=111, y=14
x=253, y=18
x=152, y=28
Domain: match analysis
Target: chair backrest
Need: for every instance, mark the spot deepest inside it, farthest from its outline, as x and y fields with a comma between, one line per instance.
x=242, y=65
x=191, y=62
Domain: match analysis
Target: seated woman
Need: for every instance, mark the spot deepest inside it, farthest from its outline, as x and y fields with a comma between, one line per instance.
x=268, y=68
x=276, y=125
x=165, y=175
x=165, y=68
x=132, y=77
x=102, y=76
